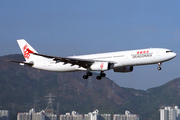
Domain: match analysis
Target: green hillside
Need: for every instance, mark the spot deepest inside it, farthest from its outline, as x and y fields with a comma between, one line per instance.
x=24, y=88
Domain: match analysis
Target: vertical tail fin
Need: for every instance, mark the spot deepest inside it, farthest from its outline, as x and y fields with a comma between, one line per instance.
x=27, y=50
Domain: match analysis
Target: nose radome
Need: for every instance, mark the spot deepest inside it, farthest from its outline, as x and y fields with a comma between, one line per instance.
x=174, y=54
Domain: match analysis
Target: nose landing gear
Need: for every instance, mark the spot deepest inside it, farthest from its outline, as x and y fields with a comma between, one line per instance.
x=159, y=64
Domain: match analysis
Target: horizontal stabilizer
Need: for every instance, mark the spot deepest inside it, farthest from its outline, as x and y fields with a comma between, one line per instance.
x=22, y=62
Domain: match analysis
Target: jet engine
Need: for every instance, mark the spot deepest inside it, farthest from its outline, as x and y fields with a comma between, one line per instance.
x=100, y=66
x=124, y=69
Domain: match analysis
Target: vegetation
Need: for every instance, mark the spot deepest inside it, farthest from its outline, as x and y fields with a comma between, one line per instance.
x=25, y=88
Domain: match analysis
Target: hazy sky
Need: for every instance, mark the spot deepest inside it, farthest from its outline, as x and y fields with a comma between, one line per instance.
x=75, y=27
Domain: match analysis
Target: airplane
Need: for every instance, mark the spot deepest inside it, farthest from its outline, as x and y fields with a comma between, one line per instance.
x=121, y=61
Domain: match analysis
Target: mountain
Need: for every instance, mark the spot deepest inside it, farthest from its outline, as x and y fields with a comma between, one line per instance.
x=167, y=94
x=23, y=87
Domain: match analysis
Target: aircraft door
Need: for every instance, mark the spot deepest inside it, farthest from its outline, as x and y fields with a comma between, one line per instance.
x=157, y=53
x=126, y=56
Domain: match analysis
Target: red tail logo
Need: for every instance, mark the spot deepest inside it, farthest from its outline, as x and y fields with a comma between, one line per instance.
x=27, y=51
x=102, y=65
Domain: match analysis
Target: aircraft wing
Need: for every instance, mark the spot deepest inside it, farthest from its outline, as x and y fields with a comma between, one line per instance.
x=85, y=63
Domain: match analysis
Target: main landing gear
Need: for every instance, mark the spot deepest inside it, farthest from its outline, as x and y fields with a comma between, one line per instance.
x=159, y=64
x=102, y=74
x=87, y=75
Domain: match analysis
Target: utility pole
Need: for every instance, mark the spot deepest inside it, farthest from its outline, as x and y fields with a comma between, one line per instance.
x=49, y=108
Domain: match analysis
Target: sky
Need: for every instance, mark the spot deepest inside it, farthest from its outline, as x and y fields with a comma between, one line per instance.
x=77, y=27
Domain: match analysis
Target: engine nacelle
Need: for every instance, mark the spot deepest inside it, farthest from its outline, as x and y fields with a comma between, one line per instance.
x=100, y=66
x=124, y=69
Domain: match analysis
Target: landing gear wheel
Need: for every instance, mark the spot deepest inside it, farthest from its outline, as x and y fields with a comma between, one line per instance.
x=159, y=64
x=98, y=77
x=85, y=77
x=89, y=74
x=159, y=68
x=103, y=74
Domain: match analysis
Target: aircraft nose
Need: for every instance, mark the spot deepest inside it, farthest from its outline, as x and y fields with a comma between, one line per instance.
x=174, y=54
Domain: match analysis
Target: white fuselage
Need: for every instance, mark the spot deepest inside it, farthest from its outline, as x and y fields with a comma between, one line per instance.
x=120, y=59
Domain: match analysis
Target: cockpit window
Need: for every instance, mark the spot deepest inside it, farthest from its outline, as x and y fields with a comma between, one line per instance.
x=168, y=51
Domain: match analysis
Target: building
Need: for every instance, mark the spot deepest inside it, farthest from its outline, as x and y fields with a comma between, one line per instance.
x=50, y=117
x=105, y=117
x=4, y=115
x=126, y=116
x=96, y=116
x=90, y=116
x=32, y=115
x=169, y=113
x=24, y=116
